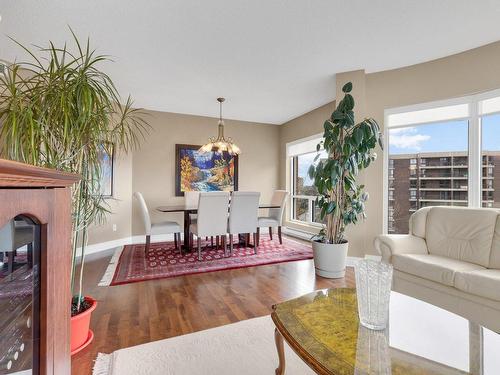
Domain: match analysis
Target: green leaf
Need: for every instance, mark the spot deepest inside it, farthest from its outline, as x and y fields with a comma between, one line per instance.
x=311, y=171
x=331, y=207
x=358, y=136
x=337, y=115
x=328, y=126
x=346, y=149
x=335, y=132
x=323, y=212
x=347, y=87
x=367, y=131
x=334, y=175
x=381, y=142
x=348, y=102
x=349, y=117
x=320, y=185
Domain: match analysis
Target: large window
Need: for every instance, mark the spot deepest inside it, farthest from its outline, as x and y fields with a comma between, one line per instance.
x=423, y=159
x=490, y=154
x=442, y=155
x=304, y=193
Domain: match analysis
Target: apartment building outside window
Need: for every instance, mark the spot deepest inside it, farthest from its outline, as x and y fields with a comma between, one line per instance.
x=391, y=195
x=442, y=154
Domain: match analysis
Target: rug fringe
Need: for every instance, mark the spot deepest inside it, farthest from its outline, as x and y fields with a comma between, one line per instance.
x=107, y=278
x=102, y=364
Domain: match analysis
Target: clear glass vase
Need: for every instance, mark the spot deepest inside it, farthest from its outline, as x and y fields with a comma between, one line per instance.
x=373, y=289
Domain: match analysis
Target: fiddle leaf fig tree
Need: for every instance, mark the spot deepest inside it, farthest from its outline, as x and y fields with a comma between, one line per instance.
x=349, y=148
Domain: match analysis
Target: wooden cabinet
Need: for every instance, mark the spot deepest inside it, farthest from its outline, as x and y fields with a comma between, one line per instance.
x=42, y=198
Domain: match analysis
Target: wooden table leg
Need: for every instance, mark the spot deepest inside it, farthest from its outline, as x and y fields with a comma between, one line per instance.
x=281, y=352
x=186, y=244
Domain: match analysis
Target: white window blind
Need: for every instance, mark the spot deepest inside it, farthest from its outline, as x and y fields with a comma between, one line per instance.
x=489, y=106
x=303, y=147
x=445, y=113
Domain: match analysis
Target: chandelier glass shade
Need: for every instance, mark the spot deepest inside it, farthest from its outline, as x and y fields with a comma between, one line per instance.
x=220, y=144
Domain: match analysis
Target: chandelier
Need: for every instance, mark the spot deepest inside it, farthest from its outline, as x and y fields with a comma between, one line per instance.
x=221, y=144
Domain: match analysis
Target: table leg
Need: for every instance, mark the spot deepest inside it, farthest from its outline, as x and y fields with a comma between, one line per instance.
x=185, y=245
x=281, y=352
x=244, y=240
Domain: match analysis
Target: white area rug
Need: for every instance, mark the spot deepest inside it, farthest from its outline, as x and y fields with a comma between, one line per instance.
x=110, y=270
x=244, y=348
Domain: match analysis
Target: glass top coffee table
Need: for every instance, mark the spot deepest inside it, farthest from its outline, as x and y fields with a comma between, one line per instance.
x=323, y=329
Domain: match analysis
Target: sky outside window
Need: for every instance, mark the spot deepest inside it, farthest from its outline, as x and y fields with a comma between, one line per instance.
x=447, y=136
x=490, y=127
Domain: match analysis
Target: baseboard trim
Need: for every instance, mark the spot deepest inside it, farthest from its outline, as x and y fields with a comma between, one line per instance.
x=303, y=235
x=107, y=245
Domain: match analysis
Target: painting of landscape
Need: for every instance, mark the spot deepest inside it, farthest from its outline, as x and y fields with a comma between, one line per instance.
x=210, y=171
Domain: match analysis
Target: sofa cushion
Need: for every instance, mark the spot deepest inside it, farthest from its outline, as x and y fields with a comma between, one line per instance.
x=483, y=283
x=432, y=267
x=418, y=222
x=461, y=233
x=495, y=247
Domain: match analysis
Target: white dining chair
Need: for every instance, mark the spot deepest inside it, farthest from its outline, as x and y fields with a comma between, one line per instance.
x=163, y=227
x=14, y=235
x=275, y=217
x=243, y=214
x=191, y=199
x=212, y=217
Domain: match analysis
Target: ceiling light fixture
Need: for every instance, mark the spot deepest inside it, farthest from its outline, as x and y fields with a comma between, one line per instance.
x=221, y=144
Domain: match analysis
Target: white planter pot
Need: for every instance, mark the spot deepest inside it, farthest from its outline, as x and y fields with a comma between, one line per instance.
x=330, y=259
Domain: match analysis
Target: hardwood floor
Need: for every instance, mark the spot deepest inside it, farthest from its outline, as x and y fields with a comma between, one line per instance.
x=137, y=313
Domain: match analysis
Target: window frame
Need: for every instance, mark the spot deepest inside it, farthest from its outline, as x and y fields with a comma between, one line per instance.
x=291, y=158
x=474, y=103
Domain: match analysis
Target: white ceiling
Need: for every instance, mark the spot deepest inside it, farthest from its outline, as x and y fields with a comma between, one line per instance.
x=272, y=59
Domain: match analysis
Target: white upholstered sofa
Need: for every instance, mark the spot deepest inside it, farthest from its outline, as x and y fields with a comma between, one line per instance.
x=450, y=258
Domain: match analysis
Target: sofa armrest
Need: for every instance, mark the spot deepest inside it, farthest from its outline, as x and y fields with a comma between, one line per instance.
x=389, y=244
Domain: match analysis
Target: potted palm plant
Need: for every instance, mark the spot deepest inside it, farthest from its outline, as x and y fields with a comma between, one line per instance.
x=60, y=111
x=349, y=148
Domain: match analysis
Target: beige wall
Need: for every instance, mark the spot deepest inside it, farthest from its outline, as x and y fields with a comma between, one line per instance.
x=154, y=164
x=458, y=75
x=120, y=205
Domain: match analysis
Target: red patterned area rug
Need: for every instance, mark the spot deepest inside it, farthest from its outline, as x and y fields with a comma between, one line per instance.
x=131, y=265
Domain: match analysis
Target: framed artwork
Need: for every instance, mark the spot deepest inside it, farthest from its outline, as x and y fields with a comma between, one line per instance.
x=106, y=158
x=199, y=171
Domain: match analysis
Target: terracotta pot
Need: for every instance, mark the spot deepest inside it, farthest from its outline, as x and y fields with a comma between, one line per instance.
x=81, y=335
x=330, y=259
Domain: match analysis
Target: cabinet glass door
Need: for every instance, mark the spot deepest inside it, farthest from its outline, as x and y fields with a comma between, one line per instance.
x=19, y=296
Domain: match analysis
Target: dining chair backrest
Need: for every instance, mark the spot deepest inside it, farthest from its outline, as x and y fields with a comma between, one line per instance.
x=144, y=212
x=278, y=199
x=212, y=213
x=243, y=212
x=191, y=199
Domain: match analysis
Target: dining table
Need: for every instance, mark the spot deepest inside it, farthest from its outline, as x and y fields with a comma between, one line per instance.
x=193, y=210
